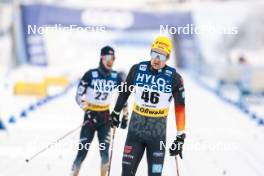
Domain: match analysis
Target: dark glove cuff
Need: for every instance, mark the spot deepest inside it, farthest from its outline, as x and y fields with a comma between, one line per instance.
x=116, y=113
x=181, y=137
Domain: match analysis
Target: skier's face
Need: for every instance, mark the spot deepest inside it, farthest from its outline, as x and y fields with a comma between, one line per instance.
x=158, y=59
x=108, y=61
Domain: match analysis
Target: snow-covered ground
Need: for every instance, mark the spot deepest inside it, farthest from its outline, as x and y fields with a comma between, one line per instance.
x=221, y=140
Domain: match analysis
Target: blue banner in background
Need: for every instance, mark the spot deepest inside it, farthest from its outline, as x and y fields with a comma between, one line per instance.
x=39, y=16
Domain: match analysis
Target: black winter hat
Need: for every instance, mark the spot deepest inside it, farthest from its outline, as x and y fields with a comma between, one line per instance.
x=107, y=50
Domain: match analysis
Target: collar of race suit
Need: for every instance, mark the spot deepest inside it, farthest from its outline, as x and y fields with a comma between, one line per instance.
x=156, y=71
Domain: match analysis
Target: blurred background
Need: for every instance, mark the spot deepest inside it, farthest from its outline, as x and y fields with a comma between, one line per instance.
x=47, y=45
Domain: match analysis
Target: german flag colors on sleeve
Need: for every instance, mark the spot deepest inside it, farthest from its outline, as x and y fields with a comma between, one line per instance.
x=180, y=118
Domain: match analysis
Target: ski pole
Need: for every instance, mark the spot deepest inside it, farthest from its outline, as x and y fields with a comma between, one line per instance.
x=111, y=152
x=177, y=166
x=58, y=140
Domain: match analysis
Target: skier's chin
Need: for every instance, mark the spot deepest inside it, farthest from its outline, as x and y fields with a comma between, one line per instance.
x=156, y=66
x=109, y=67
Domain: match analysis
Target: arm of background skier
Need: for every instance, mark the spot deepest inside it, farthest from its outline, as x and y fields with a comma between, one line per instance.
x=124, y=93
x=121, y=80
x=179, y=103
x=81, y=90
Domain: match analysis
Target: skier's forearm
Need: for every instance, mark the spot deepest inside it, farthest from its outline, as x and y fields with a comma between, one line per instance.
x=79, y=101
x=123, y=96
x=121, y=101
x=180, y=118
x=179, y=103
x=81, y=90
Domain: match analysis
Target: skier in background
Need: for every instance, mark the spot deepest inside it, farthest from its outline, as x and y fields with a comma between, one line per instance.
x=93, y=96
x=156, y=84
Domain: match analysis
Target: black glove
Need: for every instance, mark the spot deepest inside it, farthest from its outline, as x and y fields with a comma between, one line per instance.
x=176, y=147
x=125, y=118
x=90, y=117
x=124, y=123
x=114, y=119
